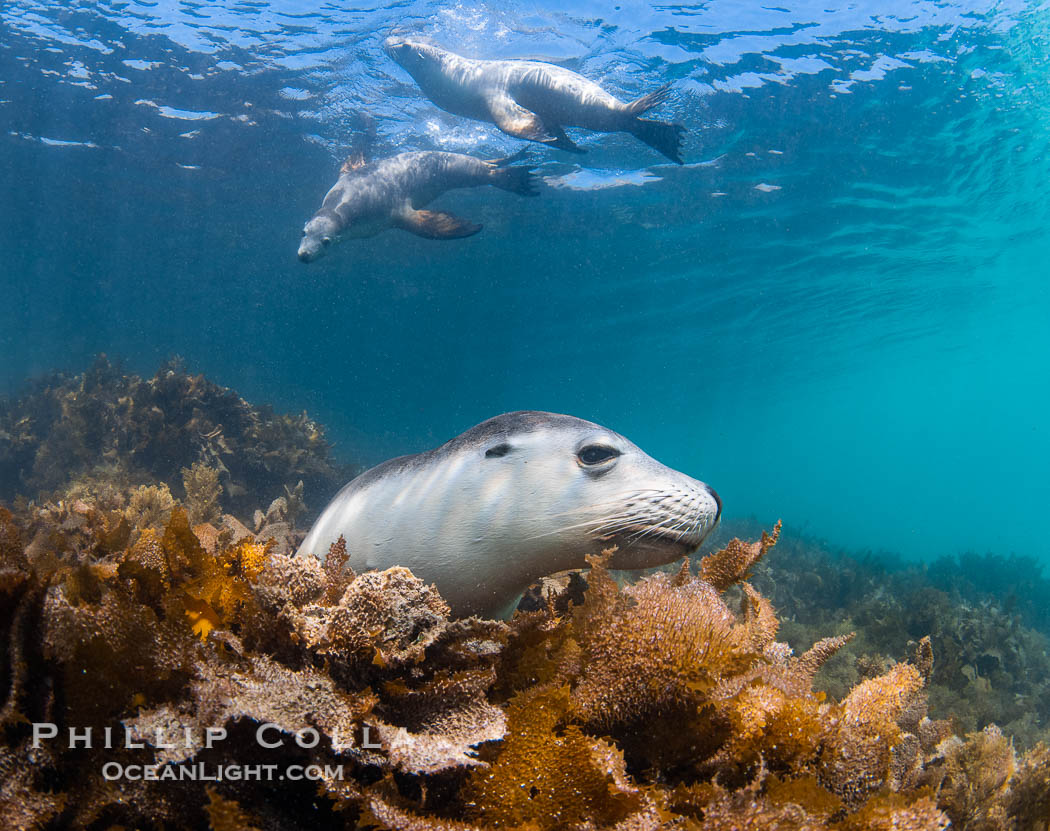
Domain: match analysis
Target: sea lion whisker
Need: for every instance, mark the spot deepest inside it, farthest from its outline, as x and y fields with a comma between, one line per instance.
x=614, y=520
x=622, y=521
x=619, y=500
x=667, y=524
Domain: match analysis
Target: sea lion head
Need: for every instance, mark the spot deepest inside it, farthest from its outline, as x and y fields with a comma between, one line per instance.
x=318, y=234
x=411, y=54
x=582, y=487
x=515, y=498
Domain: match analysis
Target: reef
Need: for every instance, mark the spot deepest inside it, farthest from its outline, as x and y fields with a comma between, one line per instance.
x=108, y=429
x=665, y=703
x=228, y=685
x=987, y=616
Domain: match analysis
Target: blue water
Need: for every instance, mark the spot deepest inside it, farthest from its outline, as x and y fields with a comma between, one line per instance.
x=836, y=312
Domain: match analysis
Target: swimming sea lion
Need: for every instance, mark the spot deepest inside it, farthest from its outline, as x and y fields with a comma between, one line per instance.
x=531, y=99
x=515, y=498
x=369, y=198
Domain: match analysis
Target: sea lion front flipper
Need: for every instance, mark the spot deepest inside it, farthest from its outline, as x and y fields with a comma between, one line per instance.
x=435, y=224
x=515, y=120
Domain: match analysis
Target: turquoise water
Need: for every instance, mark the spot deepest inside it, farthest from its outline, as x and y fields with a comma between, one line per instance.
x=836, y=312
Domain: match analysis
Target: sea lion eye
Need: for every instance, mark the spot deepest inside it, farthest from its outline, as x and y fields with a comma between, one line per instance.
x=596, y=454
x=498, y=450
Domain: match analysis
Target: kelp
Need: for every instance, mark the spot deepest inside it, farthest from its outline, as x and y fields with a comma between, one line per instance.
x=670, y=702
x=987, y=617
x=105, y=427
x=652, y=705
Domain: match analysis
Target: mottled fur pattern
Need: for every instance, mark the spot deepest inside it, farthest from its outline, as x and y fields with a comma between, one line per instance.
x=531, y=100
x=369, y=198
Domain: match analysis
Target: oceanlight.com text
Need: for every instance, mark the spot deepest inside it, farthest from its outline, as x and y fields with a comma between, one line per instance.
x=201, y=772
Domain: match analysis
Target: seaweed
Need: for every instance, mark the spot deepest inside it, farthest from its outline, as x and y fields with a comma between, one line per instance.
x=671, y=702
x=643, y=706
x=108, y=425
x=992, y=640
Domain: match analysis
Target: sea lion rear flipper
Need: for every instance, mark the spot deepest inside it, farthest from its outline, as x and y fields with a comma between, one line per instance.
x=647, y=102
x=660, y=135
x=435, y=224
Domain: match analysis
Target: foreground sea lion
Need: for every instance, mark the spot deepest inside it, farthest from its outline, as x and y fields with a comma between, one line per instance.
x=515, y=498
x=370, y=197
x=531, y=99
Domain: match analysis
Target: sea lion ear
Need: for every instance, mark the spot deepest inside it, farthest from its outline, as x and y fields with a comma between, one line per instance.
x=354, y=161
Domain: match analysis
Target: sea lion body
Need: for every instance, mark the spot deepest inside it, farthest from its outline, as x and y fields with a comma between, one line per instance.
x=532, y=100
x=511, y=500
x=368, y=198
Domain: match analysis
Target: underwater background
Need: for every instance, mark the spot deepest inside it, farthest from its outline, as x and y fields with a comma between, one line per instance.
x=836, y=312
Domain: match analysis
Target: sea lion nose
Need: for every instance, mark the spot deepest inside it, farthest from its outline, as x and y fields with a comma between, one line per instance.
x=718, y=501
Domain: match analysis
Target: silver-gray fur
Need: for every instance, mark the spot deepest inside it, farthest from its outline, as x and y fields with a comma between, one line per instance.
x=530, y=99
x=515, y=498
x=390, y=193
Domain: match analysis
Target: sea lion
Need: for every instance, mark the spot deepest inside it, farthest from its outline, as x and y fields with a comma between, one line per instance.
x=531, y=99
x=370, y=197
x=515, y=498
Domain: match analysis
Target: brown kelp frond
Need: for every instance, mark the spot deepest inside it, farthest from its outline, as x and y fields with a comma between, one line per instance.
x=974, y=779
x=202, y=487
x=759, y=618
x=381, y=618
x=226, y=815
x=25, y=799
x=1028, y=803
x=923, y=659
x=551, y=776
x=338, y=574
x=795, y=805
x=659, y=642
x=771, y=727
x=214, y=590
x=809, y=662
x=383, y=812
x=895, y=812
x=857, y=753
x=666, y=704
x=732, y=564
x=259, y=690
x=149, y=507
